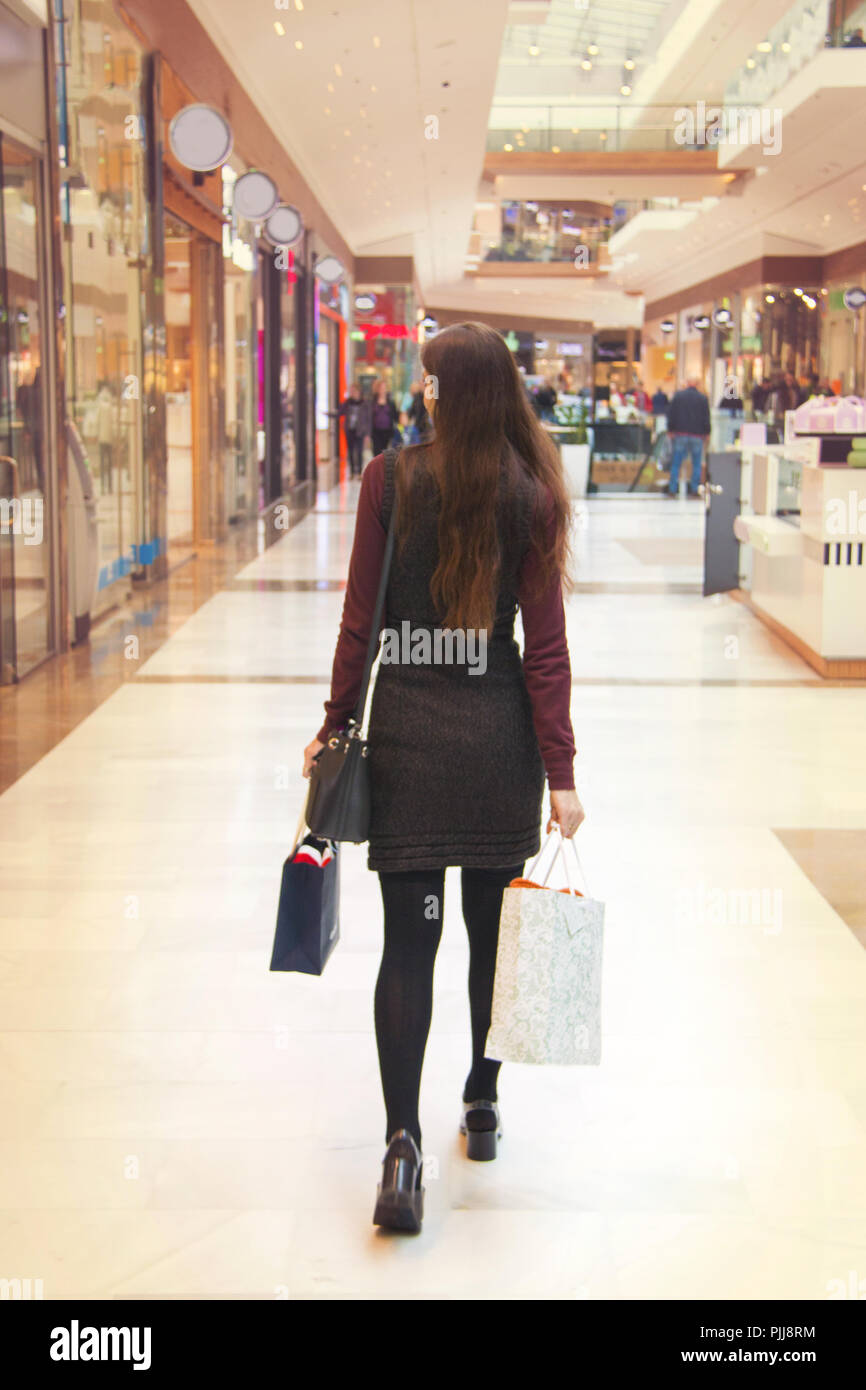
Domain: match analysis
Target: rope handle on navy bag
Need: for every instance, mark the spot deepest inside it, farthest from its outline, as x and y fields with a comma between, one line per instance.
x=356, y=722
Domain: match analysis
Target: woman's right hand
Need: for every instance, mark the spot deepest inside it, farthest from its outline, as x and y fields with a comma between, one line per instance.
x=566, y=812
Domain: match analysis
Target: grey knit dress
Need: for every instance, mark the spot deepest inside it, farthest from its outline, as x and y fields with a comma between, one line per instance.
x=456, y=773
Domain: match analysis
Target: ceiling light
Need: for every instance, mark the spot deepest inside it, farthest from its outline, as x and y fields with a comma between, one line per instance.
x=299, y=43
x=629, y=64
x=586, y=65
x=770, y=298
x=279, y=28
x=327, y=110
x=533, y=50
x=338, y=70
x=798, y=291
x=603, y=135
x=786, y=47
x=331, y=87
x=764, y=47
x=555, y=149
x=377, y=42
x=299, y=4
x=625, y=90
x=347, y=132
x=750, y=62
x=592, y=49
x=508, y=148
x=826, y=217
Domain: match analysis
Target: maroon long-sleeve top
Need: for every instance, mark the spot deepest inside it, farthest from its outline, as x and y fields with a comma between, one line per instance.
x=546, y=665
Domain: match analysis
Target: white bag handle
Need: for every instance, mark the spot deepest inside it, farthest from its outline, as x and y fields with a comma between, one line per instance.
x=563, y=839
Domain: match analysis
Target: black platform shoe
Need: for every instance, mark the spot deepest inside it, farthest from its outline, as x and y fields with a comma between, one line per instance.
x=482, y=1126
x=400, y=1196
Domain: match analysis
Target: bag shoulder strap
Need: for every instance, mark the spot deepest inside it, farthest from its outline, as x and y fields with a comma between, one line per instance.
x=376, y=623
x=389, y=491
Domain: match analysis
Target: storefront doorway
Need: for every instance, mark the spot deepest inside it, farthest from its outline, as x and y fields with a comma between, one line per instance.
x=194, y=403
x=26, y=609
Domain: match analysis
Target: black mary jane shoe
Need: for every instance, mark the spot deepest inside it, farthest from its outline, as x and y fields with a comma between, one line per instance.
x=400, y=1196
x=483, y=1128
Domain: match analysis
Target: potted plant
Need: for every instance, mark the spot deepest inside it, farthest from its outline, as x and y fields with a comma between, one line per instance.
x=575, y=446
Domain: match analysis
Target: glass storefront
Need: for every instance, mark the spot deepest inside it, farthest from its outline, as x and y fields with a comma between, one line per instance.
x=240, y=359
x=28, y=523
x=25, y=544
x=106, y=237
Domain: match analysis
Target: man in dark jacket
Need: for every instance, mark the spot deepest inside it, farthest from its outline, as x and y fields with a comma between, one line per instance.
x=689, y=428
x=355, y=413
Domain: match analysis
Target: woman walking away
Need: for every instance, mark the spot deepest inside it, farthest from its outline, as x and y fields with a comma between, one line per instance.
x=458, y=749
x=384, y=417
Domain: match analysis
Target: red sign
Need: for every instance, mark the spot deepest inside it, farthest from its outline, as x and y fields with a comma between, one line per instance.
x=387, y=330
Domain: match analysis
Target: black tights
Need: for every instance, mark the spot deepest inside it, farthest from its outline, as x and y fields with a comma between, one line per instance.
x=413, y=904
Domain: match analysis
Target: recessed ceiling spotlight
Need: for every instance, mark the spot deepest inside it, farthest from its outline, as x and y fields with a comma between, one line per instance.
x=586, y=65
x=338, y=70
x=592, y=49
x=377, y=42
x=750, y=62
x=798, y=291
x=554, y=149
x=629, y=64
x=533, y=50
x=625, y=90
x=299, y=43
x=786, y=47
x=508, y=148
x=331, y=87
x=279, y=28
x=770, y=298
x=764, y=47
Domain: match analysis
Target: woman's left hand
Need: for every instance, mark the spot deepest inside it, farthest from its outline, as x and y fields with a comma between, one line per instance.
x=309, y=754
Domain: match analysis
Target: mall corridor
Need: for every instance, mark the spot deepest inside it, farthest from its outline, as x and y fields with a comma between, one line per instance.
x=180, y=1124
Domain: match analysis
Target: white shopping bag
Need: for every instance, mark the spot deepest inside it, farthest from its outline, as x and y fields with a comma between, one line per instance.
x=547, y=988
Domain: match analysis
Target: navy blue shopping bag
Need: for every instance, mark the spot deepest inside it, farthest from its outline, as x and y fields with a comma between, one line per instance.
x=308, y=915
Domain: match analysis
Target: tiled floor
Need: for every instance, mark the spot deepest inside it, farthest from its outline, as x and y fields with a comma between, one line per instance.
x=176, y=1122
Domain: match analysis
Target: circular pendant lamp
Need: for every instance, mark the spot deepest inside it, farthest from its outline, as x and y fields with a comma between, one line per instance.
x=200, y=138
x=254, y=195
x=284, y=225
x=329, y=270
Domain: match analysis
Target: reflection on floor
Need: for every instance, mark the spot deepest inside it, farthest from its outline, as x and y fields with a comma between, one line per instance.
x=178, y=1123
x=835, y=861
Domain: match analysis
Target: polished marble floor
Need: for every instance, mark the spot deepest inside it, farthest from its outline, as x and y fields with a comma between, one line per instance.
x=175, y=1122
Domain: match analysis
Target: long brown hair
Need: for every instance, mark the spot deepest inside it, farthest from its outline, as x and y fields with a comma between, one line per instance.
x=484, y=425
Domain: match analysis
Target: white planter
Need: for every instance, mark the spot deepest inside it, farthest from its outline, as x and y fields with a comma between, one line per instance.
x=575, y=466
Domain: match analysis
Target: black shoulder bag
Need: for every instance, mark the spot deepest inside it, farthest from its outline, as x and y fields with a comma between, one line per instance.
x=338, y=802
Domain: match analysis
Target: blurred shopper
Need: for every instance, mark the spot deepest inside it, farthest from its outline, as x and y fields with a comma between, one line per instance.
x=356, y=414
x=855, y=39
x=419, y=420
x=786, y=396
x=689, y=428
x=545, y=401
x=660, y=402
x=760, y=395
x=384, y=419
x=457, y=761
x=106, y=434
x=640, y=397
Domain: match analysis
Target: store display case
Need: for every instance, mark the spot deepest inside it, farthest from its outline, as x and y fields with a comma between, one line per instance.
x=805, y=530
